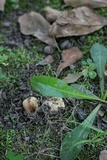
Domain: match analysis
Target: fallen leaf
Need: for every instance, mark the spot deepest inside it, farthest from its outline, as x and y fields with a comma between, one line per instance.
x=103, y=155
x=69, y=57
x=2, y=4
x=34, y=24
x=48, y=60
x=71, y=78
x=51, y=14
x=89, y=3
x=30, y=105
x=79, y=21
x=54, y=103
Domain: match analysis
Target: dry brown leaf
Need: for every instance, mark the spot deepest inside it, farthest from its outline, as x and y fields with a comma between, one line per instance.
x=2, y=4
x=48, y=60
x=51, y=14
x=34, y=24
x=79, y=21
x=103, y=155
x=71, y=78
x=69, y=57
x=90, y=3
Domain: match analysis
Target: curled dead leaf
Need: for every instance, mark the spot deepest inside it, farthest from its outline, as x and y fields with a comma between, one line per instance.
x=89, y=3
x=30, y=105
x=79, y=21
x=71, y=78
x=2, y=4
x=48, y=60
x=54, y=103
x=69, y=57
x=34, y=24
x=51, y=14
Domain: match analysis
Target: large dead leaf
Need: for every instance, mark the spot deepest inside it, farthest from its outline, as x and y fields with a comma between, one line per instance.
x=34, y=24
x=79, y=21
x=2, y=3
x=71, y=78
x=69, y=57
x=51, y=14
x=90, y=3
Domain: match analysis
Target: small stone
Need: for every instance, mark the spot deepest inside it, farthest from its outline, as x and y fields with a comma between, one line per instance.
x=48, y=49
x=101, y=113
x=66, y=44
x=27, y=43
x=9, y=124
x=82, y=38
x=103, y=155
x=7, y=24
x=6, y=118
x=19, y=126
x=27, y=138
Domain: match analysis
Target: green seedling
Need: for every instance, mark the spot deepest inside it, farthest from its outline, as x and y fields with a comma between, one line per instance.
x=72, y=144
x=89, y=69
x=10, y=155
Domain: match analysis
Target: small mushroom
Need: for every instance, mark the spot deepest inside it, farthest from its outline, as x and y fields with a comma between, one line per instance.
x=54, y=103
x=30, y=105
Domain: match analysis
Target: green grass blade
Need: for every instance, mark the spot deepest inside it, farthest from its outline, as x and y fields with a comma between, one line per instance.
x=50, y=86
x=69, y=148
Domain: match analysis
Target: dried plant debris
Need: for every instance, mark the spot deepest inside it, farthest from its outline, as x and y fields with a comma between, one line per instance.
x=51, y=14
x=71, y=78
x=69, y=57
x=30, y=105
x=79, y=21
x=103, y=155
x=35, y=24
x=2, y=4
x=54, y=103
x=48, y=60
x=89, y=3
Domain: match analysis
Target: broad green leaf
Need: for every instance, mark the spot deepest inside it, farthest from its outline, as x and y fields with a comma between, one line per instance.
x=99, y=55
x=50, y=86
x=19, y=157
x=10, y=155
x=72, y=143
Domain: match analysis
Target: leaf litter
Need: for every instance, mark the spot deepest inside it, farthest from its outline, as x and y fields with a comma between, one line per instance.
x=71, y=78
x=89, y=3
x=47, y=34
x=2, y=4
x=79, y=21
x=35, y=24
x=69, y=57
x=75, y=22
x=48, y=60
